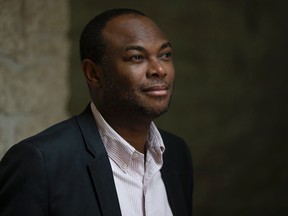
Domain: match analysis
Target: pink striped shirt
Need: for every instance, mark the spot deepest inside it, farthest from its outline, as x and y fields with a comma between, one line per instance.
x=139, y=185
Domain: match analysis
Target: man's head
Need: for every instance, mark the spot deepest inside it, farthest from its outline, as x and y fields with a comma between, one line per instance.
x=130, y=71
x=92, y=44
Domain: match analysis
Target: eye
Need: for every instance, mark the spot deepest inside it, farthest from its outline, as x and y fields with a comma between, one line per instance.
x=166, y=55
x=136, y=58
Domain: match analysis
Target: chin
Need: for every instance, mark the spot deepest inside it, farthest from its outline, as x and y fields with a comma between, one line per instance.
x=159, y=108
x=149, y=107
x=152, y=112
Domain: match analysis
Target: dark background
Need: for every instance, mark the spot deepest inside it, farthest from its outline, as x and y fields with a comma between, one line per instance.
x=230, y=100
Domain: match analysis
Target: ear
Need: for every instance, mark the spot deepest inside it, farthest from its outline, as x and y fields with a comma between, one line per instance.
x=93, y=72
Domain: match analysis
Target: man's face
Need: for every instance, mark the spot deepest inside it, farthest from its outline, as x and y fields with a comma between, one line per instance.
x=138, y=67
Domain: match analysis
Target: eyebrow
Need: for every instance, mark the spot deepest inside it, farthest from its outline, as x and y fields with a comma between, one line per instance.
x=165, y=45
x=140, y=48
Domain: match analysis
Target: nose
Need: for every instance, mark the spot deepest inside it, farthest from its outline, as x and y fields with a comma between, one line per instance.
x=156, y=69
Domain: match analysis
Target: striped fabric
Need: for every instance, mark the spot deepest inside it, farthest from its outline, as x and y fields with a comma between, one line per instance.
x=139, y=185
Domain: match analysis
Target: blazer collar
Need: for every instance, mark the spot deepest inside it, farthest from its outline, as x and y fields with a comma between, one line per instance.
x=99, y=167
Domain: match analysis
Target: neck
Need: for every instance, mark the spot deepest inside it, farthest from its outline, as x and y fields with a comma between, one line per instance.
x=135, y=132
x=135, y=136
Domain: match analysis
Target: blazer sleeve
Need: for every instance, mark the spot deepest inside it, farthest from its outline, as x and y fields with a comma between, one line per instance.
x=23, y=182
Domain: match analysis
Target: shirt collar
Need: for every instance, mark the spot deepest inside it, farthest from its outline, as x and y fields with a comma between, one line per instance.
x=119, y=150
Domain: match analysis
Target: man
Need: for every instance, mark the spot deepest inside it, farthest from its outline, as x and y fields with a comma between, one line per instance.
x=111, y=159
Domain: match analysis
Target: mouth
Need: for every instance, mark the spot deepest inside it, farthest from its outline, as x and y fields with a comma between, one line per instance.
x=158, y=90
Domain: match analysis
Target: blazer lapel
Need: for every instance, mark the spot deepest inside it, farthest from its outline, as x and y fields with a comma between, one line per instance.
x=170, y=176
x=99, y=167
x=174, y=192
x=104, y=186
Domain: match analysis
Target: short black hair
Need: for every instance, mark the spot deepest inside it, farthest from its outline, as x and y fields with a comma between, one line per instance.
x=92, y=44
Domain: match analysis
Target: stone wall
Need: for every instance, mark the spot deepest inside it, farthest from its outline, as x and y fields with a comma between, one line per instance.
x=34, y=50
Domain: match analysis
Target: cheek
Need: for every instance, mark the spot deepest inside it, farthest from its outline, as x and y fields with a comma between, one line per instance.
x=125, y=82
x=128, y=75
x=171, y=72
x=132, y=76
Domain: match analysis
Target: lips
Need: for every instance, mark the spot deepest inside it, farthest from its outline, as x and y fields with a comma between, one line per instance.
x=158, y=90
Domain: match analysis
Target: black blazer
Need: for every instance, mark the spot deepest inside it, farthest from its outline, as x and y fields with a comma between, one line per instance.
x=65, y=171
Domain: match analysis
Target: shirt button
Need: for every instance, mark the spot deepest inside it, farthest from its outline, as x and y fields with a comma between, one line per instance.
x=135, y=155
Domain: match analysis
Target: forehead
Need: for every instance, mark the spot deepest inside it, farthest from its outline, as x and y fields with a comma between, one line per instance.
x=128, y=29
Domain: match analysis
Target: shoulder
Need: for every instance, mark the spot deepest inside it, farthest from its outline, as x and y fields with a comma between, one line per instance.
x=64, y=132
x=52, y=140
x=61, y=132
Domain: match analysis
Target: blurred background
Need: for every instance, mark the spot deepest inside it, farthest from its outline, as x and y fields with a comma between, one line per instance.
x=230, y=99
